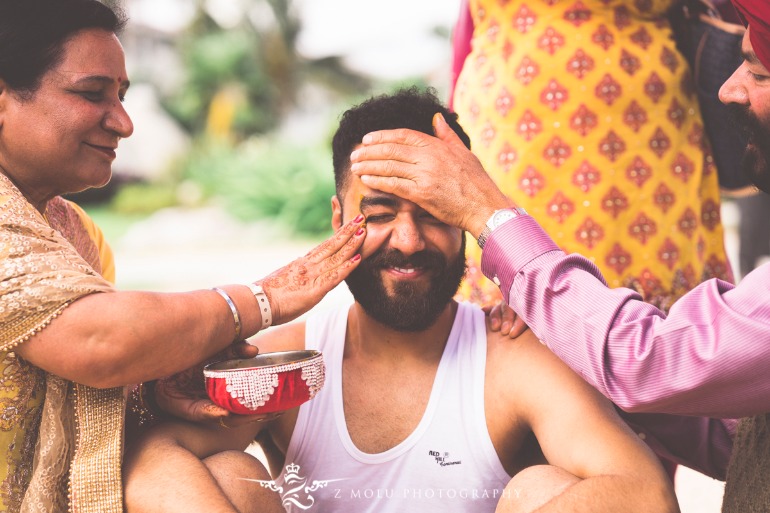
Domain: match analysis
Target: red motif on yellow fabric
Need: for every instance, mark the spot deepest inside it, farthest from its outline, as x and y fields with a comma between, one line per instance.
x=603, y=37
x=577, y=14
x=488, y=133
x=643, y=228
x=504, y=102
x=506, y=157
x=695, y=136
x=583, y=120
x=668, y=253
x=618, y=258
x=554, y=95
x=586, y=176
x=550, y=41
x=659, y=143
x=612, y=146
x=557, y=151
x=560, y=207
x=654, y=87
x=608, y=90
x=629, y=62
x=580, y=64
x=524, y=19
x=622, y=17
x=687, y=223
x=639, y=171
x=589, y=233
x=527, y=70
x=493, y=31
x=634, y=116
x=489, y=81
x=682, y=168
x=529, y=125
x=676, y=113
x=669, y=59
x=664, y=197
x=531, y=182
x=710, y=214
x=649, y=282
x=614, y=202
x=714, y=267
x=641, y=38
x=507, y=49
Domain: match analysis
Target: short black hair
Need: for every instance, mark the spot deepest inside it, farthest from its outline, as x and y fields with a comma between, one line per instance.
x=33, y=34
x=411, y=108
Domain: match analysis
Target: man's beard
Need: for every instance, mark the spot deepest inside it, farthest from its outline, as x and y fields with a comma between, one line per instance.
x=411, y=307
x=756, y=160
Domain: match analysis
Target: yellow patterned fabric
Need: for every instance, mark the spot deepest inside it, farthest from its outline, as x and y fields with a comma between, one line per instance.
x=61, y=441
x=584, y=114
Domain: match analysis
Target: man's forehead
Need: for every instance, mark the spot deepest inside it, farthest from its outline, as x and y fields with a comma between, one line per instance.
x=747, y=50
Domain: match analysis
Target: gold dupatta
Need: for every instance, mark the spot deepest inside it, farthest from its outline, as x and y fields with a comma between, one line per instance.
x=43, y=269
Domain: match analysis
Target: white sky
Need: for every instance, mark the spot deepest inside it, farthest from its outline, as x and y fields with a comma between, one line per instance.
x=389, y=39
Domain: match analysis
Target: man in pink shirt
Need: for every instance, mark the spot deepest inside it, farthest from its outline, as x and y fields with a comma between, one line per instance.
x=707, y=357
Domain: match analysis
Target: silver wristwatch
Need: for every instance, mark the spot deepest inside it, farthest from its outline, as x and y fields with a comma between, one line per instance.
x=499, y=217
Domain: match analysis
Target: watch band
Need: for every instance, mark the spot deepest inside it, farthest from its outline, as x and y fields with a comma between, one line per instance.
x=493, y=223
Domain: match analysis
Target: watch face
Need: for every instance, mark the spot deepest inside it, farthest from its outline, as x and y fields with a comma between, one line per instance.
x=502, y=216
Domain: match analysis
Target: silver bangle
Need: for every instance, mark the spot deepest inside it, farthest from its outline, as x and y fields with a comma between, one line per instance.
x=233, y=309
x=263, y=303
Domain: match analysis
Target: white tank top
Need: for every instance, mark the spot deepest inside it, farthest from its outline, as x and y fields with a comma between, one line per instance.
x=447, y=464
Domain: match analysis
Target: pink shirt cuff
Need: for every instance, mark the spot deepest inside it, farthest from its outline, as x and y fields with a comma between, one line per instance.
x=512, y=246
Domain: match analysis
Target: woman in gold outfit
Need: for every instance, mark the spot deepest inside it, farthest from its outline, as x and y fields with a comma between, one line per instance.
x=69, y=341
x=583, y=112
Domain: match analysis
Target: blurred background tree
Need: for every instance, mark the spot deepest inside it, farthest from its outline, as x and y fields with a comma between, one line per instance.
x=252, y=115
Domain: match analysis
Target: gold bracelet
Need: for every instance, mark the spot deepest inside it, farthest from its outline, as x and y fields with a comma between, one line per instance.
x=263, y=303
x=233, y=309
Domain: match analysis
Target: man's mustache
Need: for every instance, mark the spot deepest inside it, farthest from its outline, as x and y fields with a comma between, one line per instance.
x=395, y=258
x=746, y=123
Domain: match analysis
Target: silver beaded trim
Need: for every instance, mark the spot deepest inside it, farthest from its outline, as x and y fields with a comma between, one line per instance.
x=253, y=387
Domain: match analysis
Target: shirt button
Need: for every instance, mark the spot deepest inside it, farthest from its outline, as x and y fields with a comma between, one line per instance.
x=496, y=280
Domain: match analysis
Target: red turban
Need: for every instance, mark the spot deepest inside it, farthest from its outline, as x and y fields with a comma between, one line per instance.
x=756, y=13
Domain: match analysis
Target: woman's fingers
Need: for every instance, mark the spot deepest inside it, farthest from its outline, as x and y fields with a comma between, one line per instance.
x=296, y=288
x=344, y=240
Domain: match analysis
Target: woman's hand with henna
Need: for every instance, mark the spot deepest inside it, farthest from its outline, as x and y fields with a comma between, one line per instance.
x=299, y=286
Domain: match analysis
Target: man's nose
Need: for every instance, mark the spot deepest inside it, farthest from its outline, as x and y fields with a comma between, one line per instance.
x=733, y=90
x=407, y=237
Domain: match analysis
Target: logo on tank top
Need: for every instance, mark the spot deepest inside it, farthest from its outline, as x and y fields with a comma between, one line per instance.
x=296, y=491
x=443, y=459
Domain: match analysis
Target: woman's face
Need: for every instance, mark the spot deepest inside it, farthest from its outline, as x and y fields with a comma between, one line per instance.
x=63, y=138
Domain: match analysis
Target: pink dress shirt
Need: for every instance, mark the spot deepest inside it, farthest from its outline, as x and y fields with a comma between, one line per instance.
x=706, y=358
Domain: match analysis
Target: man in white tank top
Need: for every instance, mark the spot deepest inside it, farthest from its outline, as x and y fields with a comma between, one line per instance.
x=424, y=408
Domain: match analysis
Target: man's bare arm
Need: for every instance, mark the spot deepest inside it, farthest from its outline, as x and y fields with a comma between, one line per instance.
x=579, y=432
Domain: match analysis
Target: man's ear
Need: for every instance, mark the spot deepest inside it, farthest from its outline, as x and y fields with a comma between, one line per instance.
x=336, y=213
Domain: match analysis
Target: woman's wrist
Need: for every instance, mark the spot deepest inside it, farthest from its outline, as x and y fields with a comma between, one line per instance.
x=263, y=304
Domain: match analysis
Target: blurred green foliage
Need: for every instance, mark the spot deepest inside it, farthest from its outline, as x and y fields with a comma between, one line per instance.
x=144, y=198
x=267, y=178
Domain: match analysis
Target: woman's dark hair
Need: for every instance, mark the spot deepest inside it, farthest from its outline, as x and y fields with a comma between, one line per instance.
x=33, y=33
x=411, y=108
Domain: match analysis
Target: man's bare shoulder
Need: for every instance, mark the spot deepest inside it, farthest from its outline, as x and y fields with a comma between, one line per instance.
x=523, y=372
x=281, y=338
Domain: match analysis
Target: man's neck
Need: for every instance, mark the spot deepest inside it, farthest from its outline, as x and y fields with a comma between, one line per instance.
x=369, y=338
